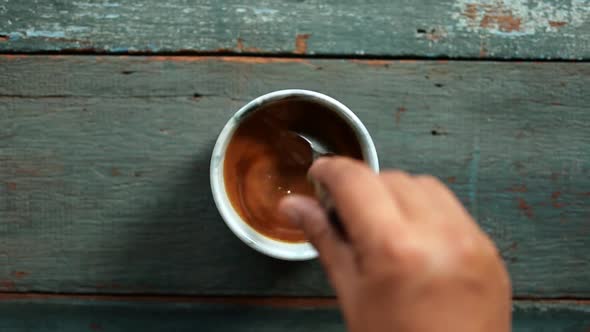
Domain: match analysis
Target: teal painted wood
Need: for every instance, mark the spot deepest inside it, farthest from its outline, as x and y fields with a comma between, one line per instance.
x=546, y=29
x=104, y=166
x=75, y=315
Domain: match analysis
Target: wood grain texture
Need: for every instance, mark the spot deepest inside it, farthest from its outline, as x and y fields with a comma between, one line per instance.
x=545, y=29
x=69, y=315
x=104, y=166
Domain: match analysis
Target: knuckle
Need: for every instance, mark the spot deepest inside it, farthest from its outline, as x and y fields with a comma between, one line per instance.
x=406, y=255
x=472, y=251
x=466, y=252
x=337, y=170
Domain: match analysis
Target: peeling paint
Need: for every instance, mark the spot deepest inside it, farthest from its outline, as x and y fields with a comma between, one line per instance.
x=434, y=34
x=555, y=200
x=398, y=114
x=521, y=188
x=242, y=48
x=301, y=43
x=44, y=33
x=501, y=20
x=525, y=207
x=519, y=17
x=265, y=11
x=557, y=24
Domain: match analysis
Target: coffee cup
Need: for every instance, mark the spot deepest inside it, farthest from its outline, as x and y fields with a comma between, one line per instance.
x=252, y=167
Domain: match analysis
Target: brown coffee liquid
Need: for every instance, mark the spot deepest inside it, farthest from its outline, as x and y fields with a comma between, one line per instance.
x=264, y=163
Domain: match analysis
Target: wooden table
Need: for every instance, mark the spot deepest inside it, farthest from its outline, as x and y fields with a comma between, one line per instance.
x=109, y=111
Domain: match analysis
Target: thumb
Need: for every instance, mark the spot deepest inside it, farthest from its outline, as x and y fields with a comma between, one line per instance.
x=335, y=254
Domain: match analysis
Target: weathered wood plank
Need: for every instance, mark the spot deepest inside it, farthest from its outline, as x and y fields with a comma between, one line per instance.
x=547, y=29
x=104, y=165
x=65, y=315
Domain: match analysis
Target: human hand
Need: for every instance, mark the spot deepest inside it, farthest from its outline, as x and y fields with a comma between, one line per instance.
x=413, y=258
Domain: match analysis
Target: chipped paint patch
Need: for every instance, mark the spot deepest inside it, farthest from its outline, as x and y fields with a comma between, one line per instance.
x=519, y=17
x=265, y=11
x=434, y=34
x=240, y=47
x=301, y=43
x=557, y=24
x=525, y=208
x=44, y=33
x=521, y=188
x=398, y=114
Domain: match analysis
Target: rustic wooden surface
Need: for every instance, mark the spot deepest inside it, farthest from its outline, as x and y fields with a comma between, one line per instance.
x=104, y=160
x=114, y=315
x=542, y=29
x=104, y=166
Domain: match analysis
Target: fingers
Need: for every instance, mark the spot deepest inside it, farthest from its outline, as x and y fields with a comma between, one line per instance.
x=362, y=200
x=412, y=198
x=335, y=254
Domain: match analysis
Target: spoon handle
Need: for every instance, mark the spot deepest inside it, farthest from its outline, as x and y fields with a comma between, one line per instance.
x=337, y=223
x=328, y=205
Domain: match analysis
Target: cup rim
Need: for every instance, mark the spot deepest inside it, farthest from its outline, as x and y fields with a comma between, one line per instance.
x=254, y=239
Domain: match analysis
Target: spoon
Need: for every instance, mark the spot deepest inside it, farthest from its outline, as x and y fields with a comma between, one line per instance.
x=319, y=150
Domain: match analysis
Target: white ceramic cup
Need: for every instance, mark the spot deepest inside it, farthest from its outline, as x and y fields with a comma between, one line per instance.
x=256, y=240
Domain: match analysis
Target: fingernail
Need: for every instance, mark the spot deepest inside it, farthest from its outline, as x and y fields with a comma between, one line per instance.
x=322, y=160
x=317, y=163
x=290, y=208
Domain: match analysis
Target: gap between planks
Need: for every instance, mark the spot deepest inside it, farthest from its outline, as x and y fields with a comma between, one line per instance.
x=286, y=56
x=268, y=301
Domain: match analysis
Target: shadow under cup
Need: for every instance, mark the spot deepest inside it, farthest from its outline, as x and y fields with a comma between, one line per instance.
x=255, y=164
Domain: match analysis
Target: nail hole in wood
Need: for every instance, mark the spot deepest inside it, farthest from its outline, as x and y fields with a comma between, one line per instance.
x=437, y=131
